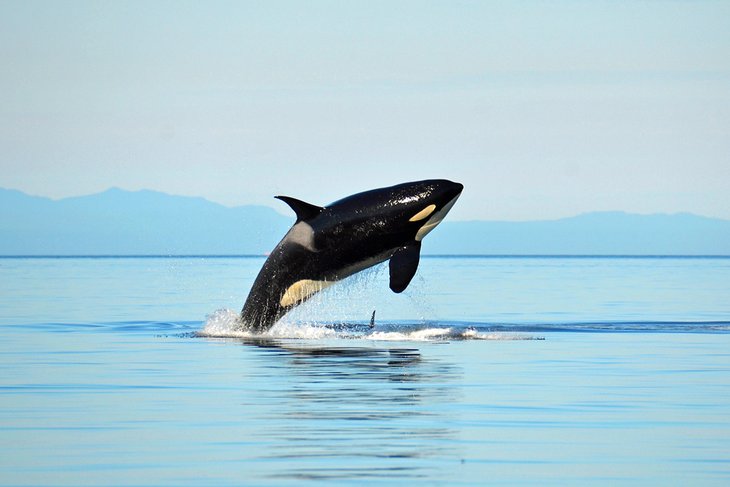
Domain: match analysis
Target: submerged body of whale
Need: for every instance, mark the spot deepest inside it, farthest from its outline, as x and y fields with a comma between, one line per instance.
x=327, y=244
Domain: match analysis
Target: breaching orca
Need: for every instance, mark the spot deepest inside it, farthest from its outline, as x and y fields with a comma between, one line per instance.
x=327, y=244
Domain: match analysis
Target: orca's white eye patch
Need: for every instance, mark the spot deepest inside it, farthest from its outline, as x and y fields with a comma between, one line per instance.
x=424, y=213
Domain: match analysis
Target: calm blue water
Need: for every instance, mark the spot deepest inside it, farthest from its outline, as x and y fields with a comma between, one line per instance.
x=550, y=371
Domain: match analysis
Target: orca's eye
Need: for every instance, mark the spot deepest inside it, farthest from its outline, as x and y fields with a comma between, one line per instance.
x=424, y=213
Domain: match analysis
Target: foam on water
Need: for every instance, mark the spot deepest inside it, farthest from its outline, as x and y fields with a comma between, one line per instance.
x=225, y=323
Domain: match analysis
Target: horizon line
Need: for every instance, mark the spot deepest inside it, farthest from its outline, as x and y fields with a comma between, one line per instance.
x=431, y=256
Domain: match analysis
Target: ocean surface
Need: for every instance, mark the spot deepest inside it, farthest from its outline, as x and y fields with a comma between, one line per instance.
x=487, y=370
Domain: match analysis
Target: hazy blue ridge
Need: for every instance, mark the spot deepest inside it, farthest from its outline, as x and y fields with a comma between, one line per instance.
x=601, y=233
x=139, y=222
x=119, y=222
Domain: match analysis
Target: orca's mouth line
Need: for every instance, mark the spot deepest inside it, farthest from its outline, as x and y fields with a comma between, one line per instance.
x=436, y=218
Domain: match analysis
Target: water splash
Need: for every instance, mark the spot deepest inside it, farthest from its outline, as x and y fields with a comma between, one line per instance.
x=342, y=311
x=225, y=323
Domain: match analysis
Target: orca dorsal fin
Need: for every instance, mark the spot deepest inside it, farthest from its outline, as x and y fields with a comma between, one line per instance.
x=403, y=265
x=304, y=210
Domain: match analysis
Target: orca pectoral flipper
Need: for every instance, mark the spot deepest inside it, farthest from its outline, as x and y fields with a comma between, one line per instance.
x=403, y=265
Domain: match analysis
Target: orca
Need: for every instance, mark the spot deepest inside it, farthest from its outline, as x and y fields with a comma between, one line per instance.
x=329, y=243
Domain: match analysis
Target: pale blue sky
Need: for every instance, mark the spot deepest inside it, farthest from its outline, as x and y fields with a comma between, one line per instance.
x=542, y=109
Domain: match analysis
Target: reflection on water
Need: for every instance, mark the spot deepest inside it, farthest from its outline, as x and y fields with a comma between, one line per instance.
x=105, y=380
x=91, y=407
x=358, y=412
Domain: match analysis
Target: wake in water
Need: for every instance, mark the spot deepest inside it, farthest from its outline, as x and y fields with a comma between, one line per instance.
x=225, y=323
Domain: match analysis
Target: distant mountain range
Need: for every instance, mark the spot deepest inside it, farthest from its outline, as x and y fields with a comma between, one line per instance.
x=603, y=233
x=119, y=222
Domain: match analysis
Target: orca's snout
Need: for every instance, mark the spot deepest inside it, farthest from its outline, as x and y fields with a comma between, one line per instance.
x=452, y=189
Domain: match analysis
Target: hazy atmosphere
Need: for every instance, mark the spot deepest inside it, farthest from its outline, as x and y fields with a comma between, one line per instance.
x=550, y=308
x=542, y=109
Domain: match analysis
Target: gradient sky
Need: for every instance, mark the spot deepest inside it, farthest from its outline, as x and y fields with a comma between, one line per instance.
x=542, y=109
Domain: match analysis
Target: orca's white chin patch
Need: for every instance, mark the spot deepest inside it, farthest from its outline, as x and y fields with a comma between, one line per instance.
x=435, y=219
